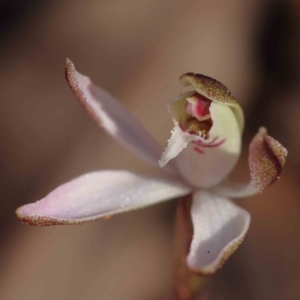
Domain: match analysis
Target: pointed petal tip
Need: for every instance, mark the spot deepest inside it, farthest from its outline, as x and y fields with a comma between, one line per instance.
x=69, y=69
x=71, y=75
x=161, y=163
x=68, y=61
x=79, y=85
x=36, y=220
x=262, y=130
x=70, y=72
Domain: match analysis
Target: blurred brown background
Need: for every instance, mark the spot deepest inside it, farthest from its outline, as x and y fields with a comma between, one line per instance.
x=137, y=49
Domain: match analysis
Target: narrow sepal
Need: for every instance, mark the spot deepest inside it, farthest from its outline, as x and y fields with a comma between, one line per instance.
x=114, y=118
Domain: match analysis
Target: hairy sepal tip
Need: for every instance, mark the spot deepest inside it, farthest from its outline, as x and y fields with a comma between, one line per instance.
x=36, y=220
x=266, y=160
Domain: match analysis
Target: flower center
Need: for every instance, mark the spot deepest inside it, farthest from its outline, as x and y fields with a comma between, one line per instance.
x=197, y=119
x=198, y=107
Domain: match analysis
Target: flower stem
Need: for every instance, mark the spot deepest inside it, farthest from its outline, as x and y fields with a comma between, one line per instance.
x=187, y=285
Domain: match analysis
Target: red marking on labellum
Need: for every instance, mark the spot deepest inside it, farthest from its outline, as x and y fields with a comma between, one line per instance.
x=210, y=144
x=200, y=142
x=199, y=150
x=213, y=145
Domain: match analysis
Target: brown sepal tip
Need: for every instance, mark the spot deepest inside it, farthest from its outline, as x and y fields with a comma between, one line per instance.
x=72, y=79
x=266, y=160
x=211, y=270
x=45, y=221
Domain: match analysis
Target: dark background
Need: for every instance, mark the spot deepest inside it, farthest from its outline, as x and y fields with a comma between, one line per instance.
x=137, y=49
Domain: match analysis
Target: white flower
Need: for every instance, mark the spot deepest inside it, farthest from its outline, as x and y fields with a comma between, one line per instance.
x=204, y=147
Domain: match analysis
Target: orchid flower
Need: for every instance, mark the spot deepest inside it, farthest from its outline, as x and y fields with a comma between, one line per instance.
x=204, y=147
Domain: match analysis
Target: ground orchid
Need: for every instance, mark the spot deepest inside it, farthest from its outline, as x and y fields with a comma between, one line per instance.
x=204, y=147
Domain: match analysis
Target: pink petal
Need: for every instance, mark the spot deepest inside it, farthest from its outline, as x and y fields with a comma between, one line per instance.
x=113, y=117
x=219, y=228
x=99, y=194
x=266, y=160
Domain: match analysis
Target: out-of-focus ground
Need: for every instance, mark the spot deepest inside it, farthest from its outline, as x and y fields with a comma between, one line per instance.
x=137, y=50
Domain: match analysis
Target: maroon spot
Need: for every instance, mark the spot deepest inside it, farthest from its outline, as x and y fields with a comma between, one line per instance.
x=198, y=150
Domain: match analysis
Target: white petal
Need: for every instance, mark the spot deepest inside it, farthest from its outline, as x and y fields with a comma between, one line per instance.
x=210, y=162
x=219, y=228
x=99, y=194
x=113, y=117
x=177, y=142
x=266, y=160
